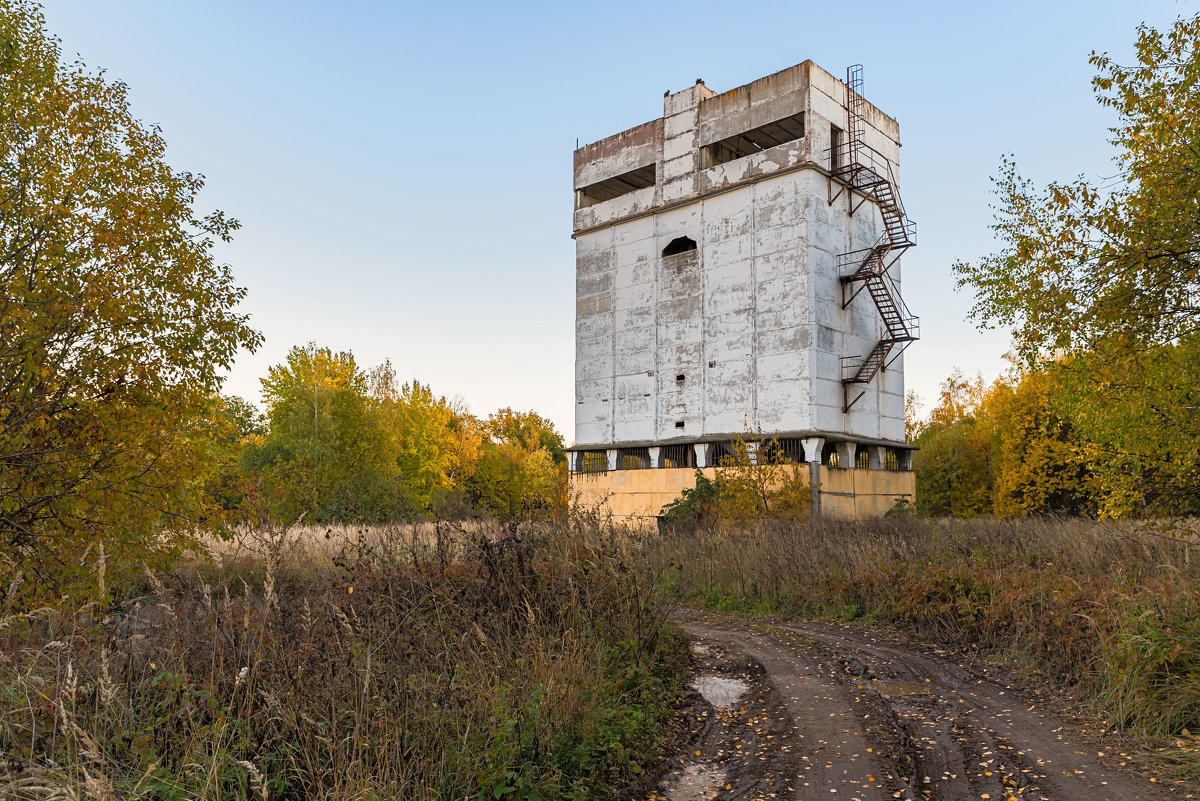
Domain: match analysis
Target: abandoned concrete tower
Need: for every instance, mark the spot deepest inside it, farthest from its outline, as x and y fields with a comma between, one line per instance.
x=738, y=274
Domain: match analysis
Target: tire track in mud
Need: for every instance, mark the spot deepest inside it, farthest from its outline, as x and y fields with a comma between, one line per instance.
x=836, y=712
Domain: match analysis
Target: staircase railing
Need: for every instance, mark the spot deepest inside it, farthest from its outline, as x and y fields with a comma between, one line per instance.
x=869, y=172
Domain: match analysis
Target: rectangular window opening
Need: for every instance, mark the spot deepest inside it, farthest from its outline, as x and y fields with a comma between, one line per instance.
x=619, y=185
x=677, y=456
x=755, y=140
x=593, y=462
x=679, y=424
x=681, y=377
x=633, y=459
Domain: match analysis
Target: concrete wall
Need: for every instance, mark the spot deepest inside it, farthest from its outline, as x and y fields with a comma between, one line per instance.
x=639, y=495
x=752, y=319
x=632, y=495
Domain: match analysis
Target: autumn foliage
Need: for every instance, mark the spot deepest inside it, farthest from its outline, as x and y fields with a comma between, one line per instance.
x=1004, y=449
x=346, y=445
x=1100, y=284
x=116, y=323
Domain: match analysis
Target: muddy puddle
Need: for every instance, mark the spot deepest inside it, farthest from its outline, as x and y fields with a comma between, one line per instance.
x=694, y=783
x=721, y=692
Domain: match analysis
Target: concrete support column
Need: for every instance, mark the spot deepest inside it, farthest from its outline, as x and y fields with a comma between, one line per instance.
x=813, y=448
x=614, y=458
x=752, y=451
x=877, y=453
x=846, y=453
x=905, y=458
x=574, y=461
x=703, y=454
x=655, y=457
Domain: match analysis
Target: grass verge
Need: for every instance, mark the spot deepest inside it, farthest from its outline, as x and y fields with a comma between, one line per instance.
x=453, y=668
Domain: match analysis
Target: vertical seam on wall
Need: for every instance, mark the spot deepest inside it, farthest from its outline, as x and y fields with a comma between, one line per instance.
x=656, y=255
x=700, y=265
x=810, y=300
x=660, y=141
x=612, y=338
x=754, y=307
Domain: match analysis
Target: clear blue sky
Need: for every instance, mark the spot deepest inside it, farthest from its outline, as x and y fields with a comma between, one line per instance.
x=403, y=171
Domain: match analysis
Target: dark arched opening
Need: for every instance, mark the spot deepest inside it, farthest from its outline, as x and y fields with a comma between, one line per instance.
x=679, y=245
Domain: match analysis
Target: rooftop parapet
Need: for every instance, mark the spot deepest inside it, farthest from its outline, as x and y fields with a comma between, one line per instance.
x=707, y=142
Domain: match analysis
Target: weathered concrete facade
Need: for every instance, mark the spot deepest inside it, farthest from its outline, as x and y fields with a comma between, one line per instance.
x=709, y=285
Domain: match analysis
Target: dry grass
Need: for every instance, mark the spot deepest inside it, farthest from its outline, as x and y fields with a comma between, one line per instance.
x=329, y=540
x=1111, y=608
x=401, y=663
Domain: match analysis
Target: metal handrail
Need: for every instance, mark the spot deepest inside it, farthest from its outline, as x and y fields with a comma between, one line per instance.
x=911, y=322
x=845, y=260
x=876, y=164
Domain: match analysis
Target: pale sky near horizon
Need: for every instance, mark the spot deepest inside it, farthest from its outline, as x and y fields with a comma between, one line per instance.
x=402, y=171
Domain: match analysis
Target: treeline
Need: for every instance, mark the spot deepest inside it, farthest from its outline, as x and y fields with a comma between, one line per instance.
x=1100, y=285
x=1069, y=437
x=339, y=444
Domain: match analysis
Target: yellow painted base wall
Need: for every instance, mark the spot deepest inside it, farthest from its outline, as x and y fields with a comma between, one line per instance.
x=856, y=494
x=634, y=495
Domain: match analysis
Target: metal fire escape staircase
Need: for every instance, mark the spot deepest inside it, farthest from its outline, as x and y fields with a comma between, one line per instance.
x=858, y=168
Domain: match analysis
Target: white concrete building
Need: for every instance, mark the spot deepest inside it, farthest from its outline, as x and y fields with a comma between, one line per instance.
x=737, y=273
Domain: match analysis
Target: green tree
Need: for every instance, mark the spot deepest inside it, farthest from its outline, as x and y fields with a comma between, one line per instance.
x=238, y=425
x=521, y=470
x=954, y=462
x=243, y=417
x=1104, y=280
x=754, y=481
x=429, y=448
x=527, y=430
x=328, y=452
x=116, y=325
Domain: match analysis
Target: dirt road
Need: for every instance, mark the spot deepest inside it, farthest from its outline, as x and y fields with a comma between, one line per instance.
x=812, y=710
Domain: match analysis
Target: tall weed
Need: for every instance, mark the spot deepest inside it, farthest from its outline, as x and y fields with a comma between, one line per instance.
x=469, y=664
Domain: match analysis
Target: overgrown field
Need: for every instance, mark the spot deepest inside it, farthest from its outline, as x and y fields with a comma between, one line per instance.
x=1113, y=609
x=536, y=667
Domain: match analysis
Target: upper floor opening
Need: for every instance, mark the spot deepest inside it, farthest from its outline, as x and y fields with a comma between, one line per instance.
x=755, y=140
x=616, y=186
